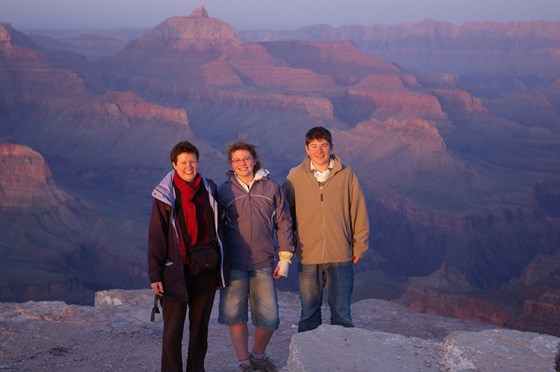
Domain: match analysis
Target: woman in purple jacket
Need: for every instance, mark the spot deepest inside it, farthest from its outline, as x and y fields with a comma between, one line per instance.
x=254, y=210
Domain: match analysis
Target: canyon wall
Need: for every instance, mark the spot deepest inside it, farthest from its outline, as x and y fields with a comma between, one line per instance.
x=456, y=169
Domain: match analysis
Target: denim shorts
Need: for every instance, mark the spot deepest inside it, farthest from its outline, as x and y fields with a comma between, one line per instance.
x=256, y=287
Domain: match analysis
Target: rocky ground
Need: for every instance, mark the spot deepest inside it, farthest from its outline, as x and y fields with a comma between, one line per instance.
x=116, y=334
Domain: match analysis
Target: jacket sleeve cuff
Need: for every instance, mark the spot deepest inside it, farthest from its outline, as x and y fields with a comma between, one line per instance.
x=285, y=256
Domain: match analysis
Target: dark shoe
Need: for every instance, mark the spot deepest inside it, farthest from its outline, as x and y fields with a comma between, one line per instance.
x=264, y=364
x=246, y=368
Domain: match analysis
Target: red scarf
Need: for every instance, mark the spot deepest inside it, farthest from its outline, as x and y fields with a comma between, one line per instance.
x=189, y=211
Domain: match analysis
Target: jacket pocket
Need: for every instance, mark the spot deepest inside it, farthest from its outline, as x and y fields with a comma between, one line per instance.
x=203, y=257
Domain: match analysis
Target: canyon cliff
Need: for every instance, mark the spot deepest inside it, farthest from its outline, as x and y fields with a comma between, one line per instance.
x=456, y=173
x=45, y=231
x=494, y=48
x=512, y=66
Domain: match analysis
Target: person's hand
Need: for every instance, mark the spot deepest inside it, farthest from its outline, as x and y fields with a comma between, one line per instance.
x=283, y=266
x=157, y=288
x=275, y=274
x=355, y=259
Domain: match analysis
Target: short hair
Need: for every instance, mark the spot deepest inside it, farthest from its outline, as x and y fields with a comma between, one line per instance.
x=180, y=148
x=242, y=145
x=318, y=133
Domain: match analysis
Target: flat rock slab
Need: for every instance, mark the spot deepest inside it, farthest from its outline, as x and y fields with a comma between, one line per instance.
x=335, y=348
x=501, y=350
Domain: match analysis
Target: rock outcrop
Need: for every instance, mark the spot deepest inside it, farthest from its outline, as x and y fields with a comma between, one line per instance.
x=456, y=305
x=530, y=303
x=335, y=348
x=27, y=181
x=117, y=334
x=30, y=201
x=181, y=33
x=54, y=246
x=546, y=308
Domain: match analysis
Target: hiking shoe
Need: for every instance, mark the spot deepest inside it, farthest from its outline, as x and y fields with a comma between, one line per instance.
x=264, y=364
x=246, y=368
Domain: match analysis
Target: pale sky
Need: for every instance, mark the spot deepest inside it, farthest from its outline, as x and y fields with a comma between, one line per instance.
x=271, y=14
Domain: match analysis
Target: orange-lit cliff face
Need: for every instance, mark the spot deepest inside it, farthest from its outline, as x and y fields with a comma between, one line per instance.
x=26, y=179
x=452, y=176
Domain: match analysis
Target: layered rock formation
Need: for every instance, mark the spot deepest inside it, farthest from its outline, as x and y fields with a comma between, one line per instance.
x=26, y=179
x=68, y=47
x=451, y=174
x=185, y=32
x=90, y=46
x=42, y=228
x=529, y=305
x=52, y=110
x=512, y=65
x=287, y=75
x=55, y=246
x=490, y=47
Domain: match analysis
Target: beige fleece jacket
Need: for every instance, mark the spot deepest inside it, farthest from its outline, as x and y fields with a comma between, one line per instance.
x=331, y=220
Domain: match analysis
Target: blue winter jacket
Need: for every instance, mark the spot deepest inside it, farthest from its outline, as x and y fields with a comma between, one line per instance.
x=252, y=219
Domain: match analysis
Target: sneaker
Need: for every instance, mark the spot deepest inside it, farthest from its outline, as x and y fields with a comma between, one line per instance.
x=264, y=364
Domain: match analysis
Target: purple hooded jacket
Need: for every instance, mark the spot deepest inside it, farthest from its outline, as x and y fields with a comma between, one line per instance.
x=252, y=219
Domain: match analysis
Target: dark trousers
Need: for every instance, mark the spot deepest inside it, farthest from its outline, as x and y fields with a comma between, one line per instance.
x=174, y=314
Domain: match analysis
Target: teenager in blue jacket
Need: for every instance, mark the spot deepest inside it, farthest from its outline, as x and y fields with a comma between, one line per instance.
x=255, y=215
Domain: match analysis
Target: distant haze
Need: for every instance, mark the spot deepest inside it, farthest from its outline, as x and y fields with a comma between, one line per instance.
x=270, y=14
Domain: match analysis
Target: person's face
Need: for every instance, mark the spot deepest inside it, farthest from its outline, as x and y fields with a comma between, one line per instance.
x=320, y=153
x=242, y=163
x=186, y=166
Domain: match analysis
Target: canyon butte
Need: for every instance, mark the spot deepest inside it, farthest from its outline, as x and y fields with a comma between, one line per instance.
x=454, y=132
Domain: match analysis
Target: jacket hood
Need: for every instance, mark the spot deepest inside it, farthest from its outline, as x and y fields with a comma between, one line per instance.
x=164, y=191
x=259, y=175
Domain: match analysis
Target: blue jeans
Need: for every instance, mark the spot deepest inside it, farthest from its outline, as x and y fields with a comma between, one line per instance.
x=339, y=280
x=256, y=286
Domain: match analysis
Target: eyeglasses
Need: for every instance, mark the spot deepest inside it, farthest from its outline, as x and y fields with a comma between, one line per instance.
x=243, y=160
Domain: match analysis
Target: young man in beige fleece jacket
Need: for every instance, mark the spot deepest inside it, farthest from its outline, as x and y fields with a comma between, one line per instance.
x=332, y=229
